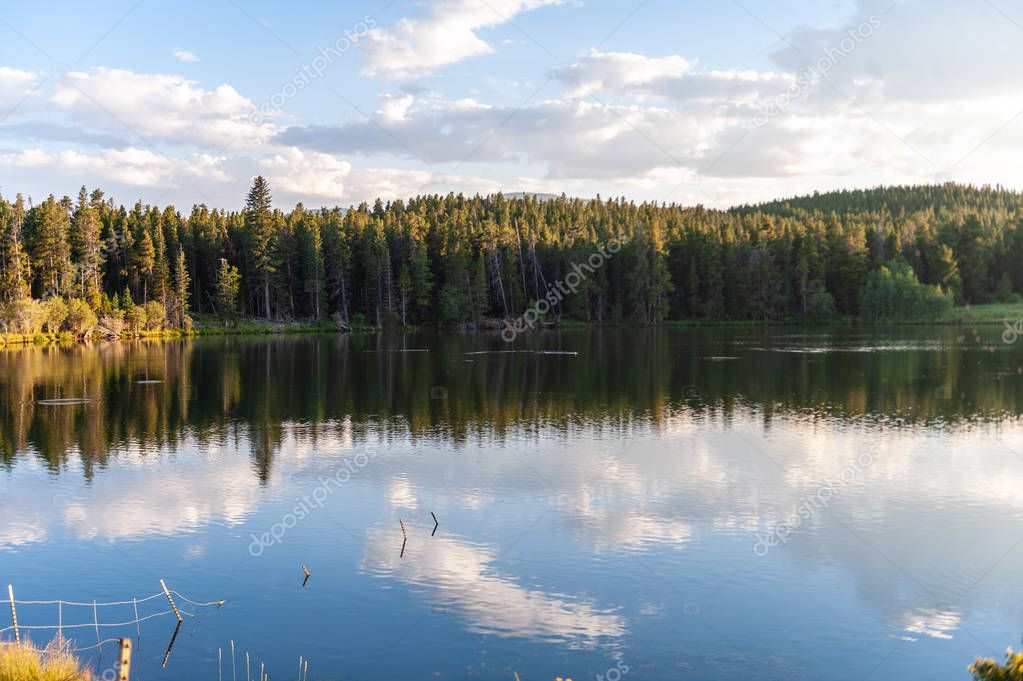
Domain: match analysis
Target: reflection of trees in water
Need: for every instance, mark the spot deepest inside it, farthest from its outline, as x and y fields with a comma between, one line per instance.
x=151, y=394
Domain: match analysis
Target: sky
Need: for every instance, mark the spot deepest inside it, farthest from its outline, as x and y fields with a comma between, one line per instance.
x=713, y=102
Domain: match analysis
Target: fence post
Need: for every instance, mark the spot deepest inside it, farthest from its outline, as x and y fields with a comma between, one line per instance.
x=173, y=607
x=14, y=614
x=124, y=669
x=138, y=622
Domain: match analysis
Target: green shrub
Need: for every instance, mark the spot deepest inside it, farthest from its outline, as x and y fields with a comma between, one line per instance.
x=155, y=315
x=820, y=305
x=894, y=292
x=135, y=318
x=55, y=314
x=989, y=670
x=80, y=318
x=24, y=316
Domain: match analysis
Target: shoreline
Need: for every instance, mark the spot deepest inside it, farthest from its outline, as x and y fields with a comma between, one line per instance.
x=982, y=315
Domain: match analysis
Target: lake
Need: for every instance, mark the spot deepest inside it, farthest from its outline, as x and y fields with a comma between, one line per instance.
x=754, y=503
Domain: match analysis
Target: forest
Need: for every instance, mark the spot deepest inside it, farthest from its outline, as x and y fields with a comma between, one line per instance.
x=71, y=265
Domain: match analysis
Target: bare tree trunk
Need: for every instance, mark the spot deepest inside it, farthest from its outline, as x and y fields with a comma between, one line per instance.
x=522, y=262
x=344, y=295
x=500, y=282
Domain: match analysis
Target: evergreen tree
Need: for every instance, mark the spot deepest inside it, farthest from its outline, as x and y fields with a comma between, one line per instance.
x=15, y=266
x=179, y=299
x=51, y=254
x=142, y=263
x=86, y=249
x=309, y=254
x=259, y=225
x=227, y=290
x=456, y=259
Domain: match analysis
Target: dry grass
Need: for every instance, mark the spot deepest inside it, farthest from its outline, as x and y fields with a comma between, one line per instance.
x=27, y=662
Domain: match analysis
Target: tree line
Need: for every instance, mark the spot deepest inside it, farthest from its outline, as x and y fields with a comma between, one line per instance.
x=887, y=252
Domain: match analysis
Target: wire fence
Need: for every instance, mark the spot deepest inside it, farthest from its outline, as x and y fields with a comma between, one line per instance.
x=166, y=596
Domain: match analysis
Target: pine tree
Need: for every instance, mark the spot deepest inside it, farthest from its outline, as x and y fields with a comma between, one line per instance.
x=309, y=252
x=142, y=263
x=337, y=255
x=86, y=249
x=51, y=254
x=15, y=266
x=182, y=282
x=422, y=283
x=227, y=290
x=259, y=225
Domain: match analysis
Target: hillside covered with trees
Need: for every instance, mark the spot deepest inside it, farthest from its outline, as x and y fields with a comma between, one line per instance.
x=70, y=265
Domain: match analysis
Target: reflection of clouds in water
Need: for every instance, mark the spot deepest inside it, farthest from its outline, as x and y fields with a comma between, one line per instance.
x=162, y=493
x=929, y=499
x=462, y=578
x=35, y=504
x=164, y=498
x=195, y=551
x=17, y=529
x=402, y=495
x=609, y=528
x=931, y=622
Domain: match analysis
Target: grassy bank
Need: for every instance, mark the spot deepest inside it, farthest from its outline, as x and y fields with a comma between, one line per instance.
x=203, y=325
x=27, y=662
x=993, y=313
x=210, y=325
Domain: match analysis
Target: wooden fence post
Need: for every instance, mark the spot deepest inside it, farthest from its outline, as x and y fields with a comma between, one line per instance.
x=14, y=614
x=173, y=607
x=124, y=669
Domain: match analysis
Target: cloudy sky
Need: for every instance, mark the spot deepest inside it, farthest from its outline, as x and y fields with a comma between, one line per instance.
x=703, y=101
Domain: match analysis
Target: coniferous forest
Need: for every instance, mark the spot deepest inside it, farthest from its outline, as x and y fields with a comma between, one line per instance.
x=74, y=264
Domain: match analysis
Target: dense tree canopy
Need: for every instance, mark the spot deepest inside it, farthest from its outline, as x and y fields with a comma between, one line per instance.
x=456, y=259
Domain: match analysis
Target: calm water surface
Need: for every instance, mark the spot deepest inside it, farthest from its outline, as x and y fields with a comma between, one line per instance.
x=754, y=504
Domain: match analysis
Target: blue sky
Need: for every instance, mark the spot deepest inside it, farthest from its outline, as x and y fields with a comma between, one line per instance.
x=695, y=102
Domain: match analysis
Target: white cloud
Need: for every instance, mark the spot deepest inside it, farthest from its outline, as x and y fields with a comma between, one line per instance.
x=15, y=84
x=393, y=109
x=913, y=100
x=673, y=79
x=161, y=108
x=132, y=166
x=441, y=33
x=185, y=55
x=303, y=175
x=309, y=174
x=940, y=50
x=620, y=71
